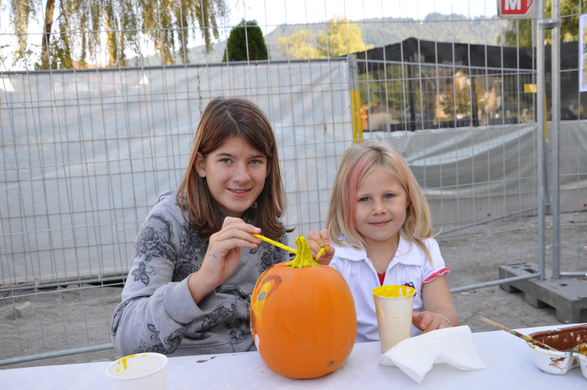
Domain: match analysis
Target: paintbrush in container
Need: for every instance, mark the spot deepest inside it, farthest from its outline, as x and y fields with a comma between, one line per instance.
x=518, y=334
x=580, y=348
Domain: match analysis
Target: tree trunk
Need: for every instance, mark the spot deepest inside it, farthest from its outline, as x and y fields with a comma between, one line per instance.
x=47, y=34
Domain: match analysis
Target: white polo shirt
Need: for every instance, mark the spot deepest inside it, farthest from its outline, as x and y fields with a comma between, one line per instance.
x=409, y=267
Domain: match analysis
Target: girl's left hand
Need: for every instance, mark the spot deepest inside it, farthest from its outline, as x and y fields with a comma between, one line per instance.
x=317, y=241
x=427, y=321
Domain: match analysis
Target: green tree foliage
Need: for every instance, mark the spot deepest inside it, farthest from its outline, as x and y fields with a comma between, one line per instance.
x=340, y=38
x=21, y=11
x=245, y=43
x=343, y=37
x=519, y=32
x=299, y=45
x=79, y=23
x=385, y=31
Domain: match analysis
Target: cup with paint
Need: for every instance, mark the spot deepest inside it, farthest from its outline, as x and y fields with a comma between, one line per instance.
x=393, y=305
x=145, y=371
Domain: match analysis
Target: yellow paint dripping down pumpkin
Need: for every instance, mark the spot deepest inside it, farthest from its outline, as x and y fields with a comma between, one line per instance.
x=303, y=317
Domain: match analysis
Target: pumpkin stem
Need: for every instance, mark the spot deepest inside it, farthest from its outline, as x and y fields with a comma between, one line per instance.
x=304, y=257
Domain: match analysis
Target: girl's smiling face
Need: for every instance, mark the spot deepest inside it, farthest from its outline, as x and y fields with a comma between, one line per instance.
x=235, y=173
x=381, y=204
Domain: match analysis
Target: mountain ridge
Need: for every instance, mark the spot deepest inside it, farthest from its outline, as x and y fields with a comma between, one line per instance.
x=377, y=32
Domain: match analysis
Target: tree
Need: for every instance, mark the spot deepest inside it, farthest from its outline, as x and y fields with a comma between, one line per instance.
x=298, y=45
x=245, y=43
x=80, y=22
x=519, y=32
x=342, y=38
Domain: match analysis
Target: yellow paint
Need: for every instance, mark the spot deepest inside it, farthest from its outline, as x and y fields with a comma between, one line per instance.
x=303, y=258
x=533, y=88
x=394, y=291
x=277, y=244
x=356, y=115
x=287, y=248
x=258, y=304
x=321, y=252
x=123, y=360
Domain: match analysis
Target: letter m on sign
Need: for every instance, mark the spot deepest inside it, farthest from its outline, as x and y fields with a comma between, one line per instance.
x=513, y=5
x=522, y=9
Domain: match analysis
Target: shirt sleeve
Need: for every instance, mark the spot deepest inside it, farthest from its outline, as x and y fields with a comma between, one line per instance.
x=438, y=267
x=155, y=311
x=158, y=313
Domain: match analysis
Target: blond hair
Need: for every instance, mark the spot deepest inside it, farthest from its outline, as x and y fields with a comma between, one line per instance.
x=357, y=162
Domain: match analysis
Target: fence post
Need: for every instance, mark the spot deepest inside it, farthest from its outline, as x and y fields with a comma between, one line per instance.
x=540, y=68
x=555, y=54
x=355, y=99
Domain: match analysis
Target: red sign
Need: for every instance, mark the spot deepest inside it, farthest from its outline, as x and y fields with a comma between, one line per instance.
x=517, y=8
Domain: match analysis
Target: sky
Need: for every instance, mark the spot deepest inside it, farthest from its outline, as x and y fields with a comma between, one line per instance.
x=271, y=13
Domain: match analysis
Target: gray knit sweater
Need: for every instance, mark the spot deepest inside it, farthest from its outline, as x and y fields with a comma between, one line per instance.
x=157, y=312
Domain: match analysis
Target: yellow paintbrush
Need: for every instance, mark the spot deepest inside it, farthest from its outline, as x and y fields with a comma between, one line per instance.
x=287, y=248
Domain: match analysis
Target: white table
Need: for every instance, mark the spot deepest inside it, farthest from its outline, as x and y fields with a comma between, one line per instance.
x=509, y=363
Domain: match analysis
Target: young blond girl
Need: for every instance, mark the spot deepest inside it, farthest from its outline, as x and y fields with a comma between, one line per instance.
x=379, y=223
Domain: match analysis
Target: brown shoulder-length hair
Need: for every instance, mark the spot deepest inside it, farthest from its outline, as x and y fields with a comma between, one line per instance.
x=222, y=119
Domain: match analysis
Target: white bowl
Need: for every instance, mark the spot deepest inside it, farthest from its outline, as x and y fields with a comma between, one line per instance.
x=555, y=362
x=583, y=363
x=563, y=340
x=144, y=371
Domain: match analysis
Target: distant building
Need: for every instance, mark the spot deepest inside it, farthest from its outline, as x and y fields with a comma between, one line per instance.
x=440, y=84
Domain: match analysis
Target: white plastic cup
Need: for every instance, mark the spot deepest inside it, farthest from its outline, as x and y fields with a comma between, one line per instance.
x=144, y=371
x=393, y=305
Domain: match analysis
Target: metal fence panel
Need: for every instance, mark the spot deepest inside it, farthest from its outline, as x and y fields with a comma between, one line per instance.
x=84, y=153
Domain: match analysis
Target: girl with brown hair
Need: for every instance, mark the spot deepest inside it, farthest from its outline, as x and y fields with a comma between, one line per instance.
x=196, y=260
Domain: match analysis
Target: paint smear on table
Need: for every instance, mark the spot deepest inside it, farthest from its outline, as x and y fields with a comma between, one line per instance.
x=204, y=361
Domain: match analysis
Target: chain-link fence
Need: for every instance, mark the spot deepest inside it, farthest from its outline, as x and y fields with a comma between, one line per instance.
x=85, y=151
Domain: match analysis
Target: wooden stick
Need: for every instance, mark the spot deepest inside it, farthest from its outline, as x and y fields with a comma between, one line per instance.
x=517, y=334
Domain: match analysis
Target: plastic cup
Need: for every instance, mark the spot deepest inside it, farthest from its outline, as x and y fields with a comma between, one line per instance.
x=393, y=305
x=144, y=371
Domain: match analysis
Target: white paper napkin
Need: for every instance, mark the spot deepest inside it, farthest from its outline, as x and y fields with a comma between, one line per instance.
x=416, y=355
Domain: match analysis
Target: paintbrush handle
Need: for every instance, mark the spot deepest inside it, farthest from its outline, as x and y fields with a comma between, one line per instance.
x=321, y=252
x=277, y=244
x=518, y=334
x=287, y=248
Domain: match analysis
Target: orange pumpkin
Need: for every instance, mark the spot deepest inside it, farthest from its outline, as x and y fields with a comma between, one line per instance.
x=303, y=317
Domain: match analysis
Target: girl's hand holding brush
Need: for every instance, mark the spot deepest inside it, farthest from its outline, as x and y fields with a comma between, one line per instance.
x=319, y=243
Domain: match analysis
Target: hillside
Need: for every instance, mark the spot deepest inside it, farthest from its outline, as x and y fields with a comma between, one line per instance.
x=378, y=32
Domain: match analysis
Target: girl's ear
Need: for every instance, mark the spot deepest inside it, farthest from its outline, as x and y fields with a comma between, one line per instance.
x=408, y=201
x=200, y=165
